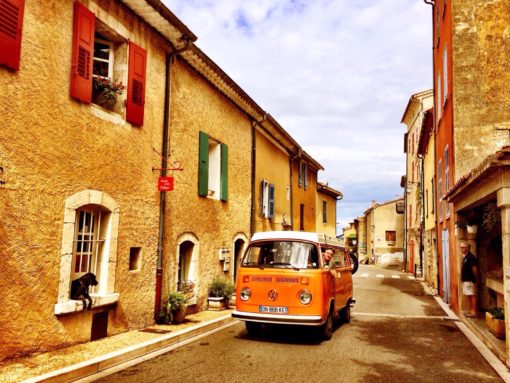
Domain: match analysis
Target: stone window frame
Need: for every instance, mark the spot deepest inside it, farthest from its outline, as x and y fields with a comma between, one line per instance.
x=106, y=294
x=194, y=264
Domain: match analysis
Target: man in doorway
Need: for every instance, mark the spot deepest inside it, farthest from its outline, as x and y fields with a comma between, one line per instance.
x=469, y=276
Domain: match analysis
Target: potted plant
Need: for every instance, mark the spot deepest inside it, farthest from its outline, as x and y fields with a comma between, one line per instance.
x=106, y=91
x=174, y=311
x=495, y=320
x=491, y=217
x=220, y=291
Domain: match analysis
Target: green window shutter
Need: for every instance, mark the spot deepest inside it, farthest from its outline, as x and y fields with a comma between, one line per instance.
x=224, y=173
x=203, y=164
x=270, y=207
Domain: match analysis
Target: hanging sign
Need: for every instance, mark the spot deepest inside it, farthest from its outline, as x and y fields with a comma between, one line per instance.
x=165, y=184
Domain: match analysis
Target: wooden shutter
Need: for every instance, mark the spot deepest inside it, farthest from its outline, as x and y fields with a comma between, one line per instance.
x=224, y=173
x=11, y=25
x=83, y=53
x=203, y=164
x=270, y=201
x=136, y=84
x=263, y=210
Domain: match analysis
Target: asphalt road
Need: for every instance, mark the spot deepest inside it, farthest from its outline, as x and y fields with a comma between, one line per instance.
x=397, y=333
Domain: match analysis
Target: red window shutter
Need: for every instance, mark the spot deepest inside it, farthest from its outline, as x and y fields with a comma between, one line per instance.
x=11, y=24
x=83, y=52
x=136, y=84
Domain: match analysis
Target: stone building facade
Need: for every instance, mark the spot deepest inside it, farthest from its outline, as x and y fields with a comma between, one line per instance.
x=79, y=176
x=327, y=198
x=413, y=119
x=78, y=191
x=472, y=117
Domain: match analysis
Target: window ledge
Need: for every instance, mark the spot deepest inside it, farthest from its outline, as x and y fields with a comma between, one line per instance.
x=72, y=306
x=112, y=117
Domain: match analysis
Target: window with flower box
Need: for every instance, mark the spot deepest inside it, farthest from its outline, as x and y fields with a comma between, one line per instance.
x=99, y=58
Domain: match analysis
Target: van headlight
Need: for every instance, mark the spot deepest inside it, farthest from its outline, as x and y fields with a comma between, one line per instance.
x=245, y=294
x=305, y=297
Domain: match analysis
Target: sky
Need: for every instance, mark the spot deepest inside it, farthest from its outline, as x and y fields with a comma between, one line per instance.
x=336, y=74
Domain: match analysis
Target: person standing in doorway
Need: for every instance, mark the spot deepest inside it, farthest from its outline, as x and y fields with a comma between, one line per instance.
x=469, y=276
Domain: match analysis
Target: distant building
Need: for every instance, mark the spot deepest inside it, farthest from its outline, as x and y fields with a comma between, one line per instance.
x=327, y=198
x=384, y=232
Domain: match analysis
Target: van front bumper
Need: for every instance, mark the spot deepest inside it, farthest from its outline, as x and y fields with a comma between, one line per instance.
x=305, y=320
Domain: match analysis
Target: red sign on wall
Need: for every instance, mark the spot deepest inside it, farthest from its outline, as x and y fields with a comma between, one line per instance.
x=165, y=184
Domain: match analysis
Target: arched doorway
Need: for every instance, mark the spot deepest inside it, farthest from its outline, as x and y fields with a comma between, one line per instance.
x=185, y=256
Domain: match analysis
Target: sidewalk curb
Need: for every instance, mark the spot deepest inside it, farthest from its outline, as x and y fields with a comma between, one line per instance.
x=491, y=358
x=101, y=363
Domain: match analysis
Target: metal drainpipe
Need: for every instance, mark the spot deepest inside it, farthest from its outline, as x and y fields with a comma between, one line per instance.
x=253, y=164
x=164, y=164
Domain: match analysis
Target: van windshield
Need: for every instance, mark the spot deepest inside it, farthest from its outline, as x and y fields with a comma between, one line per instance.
x=282, y=254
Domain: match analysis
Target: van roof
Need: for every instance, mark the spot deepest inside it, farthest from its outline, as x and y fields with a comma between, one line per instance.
x=321, y=238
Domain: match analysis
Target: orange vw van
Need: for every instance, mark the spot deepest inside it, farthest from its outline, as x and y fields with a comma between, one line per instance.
x=283, y=279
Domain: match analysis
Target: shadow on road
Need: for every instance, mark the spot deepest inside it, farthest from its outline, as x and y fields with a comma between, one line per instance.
x=424, y=350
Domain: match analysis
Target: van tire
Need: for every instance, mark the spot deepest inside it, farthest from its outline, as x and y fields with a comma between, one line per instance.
x=327, y=327
x=253, y=328
x=345, y=313
x=355, y=263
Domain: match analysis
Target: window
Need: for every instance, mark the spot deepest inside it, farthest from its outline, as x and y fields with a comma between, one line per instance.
x=440, y=188
x=301, y=217
x=410, y=215
x=212, y=168
x=446, y=179
x=267, y=199
x=303, y=174
x=134, y=258
x=445, y=74
x=95, y=46
x=324, y=211
x=391, y=236
x=433, y=195
x=89, y=243
x=438, y=98
x=11, y=24
x=426, y=203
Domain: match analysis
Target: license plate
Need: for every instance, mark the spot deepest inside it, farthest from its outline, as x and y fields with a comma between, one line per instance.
x=274, y=309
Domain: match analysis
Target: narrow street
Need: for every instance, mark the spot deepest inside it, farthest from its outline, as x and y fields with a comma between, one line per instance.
x=398, y=333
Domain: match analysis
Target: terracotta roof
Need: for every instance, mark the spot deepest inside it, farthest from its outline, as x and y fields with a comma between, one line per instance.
x=324, y=188
x=156, y=14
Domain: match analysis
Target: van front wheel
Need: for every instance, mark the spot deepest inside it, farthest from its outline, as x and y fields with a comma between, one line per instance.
x=253, y=328
x=327, y=327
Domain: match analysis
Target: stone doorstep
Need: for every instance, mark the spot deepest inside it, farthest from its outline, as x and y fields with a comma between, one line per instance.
x=488, y=339
x=95, y=365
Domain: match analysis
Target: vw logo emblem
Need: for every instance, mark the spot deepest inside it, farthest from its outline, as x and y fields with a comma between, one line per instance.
x=272, y=295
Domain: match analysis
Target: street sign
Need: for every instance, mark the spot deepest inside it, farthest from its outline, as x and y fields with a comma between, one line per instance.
x=165, y=184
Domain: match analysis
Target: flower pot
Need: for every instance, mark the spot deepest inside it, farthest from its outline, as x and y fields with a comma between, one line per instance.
x=496, y=326
x=216, y=303
x=180, y=314
x=472, y=229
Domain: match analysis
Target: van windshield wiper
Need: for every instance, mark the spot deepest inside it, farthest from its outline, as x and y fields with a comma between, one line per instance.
x=289, y=265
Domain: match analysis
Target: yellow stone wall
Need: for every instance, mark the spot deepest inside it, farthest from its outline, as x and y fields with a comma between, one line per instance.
x=271, y=165
x=52, y=147
x=481, y=97
x=328, y=227
x=196, y=106
x=307, y=197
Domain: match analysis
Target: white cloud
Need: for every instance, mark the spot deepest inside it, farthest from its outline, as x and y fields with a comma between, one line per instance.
x=336, y=74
